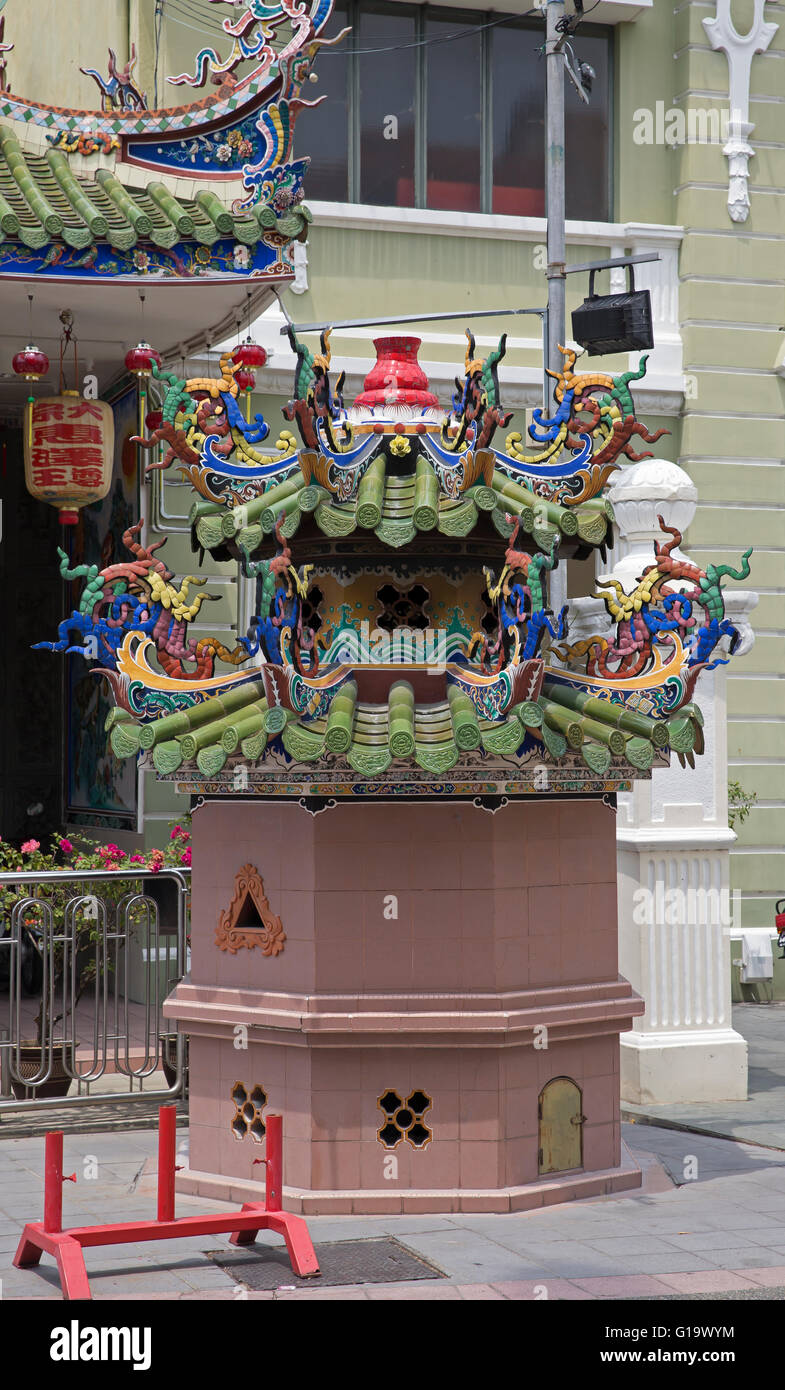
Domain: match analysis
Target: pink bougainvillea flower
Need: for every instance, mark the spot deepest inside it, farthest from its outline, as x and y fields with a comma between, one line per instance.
x=137, y=859
x=66, y=846
x=175, y=833
x=185, y=857
x=30, y=846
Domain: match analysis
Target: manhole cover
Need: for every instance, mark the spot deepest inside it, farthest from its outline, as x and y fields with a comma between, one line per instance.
x=340, y=1262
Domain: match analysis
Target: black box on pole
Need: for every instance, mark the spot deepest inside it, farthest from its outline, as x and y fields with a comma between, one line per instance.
x=607, y=323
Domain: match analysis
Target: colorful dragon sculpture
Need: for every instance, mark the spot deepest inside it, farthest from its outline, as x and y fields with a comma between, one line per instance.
x=657, y=612
x=277, y=628
x=575, y=450
x=595, y=444
x=253, y=35
x=523, y=617
x=118, y=92
x=269, y=54
x=138, y=596
x=204, y=432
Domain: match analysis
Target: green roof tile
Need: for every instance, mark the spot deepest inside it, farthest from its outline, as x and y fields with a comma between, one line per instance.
x=374, y=737
x=395, y=509
x=43, y=201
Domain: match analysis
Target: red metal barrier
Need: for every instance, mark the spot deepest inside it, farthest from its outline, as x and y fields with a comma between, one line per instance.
x=48, y=1236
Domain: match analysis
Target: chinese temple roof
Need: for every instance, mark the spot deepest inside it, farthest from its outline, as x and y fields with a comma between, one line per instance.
x=47, y=208
x=396, y=509
x=609, y=739
x=411, y=521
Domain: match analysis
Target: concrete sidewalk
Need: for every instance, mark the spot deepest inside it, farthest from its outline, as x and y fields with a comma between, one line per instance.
x=760, y=1119
x=709, y=1221
x=719, y=1233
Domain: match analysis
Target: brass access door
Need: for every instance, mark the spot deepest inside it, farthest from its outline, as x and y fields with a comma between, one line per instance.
x=561, y=1120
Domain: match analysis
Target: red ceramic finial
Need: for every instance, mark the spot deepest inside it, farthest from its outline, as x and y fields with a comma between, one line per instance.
x=397, y=377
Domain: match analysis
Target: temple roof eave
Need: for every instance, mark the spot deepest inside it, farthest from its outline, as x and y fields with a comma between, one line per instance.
x=435, y=736
x=401, y=511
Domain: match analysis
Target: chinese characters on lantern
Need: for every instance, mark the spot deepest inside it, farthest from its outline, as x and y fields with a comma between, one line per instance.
x=68, y=452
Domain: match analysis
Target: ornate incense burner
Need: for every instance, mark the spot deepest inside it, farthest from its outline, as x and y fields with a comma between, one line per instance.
x=402, y=632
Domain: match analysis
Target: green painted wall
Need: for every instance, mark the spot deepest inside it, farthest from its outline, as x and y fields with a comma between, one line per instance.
x=733, y=431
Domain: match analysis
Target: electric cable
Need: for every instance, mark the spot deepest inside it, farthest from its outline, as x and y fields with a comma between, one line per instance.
x=428, y=43
x=176, y=9
x=159, y=15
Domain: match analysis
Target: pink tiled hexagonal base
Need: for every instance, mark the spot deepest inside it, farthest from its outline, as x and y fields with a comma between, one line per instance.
x=431, y=948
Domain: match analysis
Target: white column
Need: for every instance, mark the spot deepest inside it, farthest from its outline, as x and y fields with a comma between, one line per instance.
x=673, y=840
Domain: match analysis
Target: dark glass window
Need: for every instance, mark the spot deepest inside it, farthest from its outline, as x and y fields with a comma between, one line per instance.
x=588, y=136
x=450, y=114
x=517, y=101
x=454, y=117
x=323, y=132
x=387, y=94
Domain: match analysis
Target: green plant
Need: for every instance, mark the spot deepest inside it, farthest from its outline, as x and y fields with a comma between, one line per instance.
x=739, y=803
x=68, y=858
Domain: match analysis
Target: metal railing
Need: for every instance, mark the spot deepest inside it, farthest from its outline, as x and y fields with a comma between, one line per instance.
x=91, y=952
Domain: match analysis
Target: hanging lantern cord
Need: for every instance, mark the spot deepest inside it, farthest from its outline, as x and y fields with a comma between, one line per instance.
x=31, y=397
x=141, y=381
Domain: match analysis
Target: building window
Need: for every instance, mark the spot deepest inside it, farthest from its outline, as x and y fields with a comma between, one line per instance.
x=435, y=108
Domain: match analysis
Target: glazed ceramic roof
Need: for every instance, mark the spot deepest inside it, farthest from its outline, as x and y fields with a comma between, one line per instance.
x=396, y=510
x=43, y=202
x=372, y=737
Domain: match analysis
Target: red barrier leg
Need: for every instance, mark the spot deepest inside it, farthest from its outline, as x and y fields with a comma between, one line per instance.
x=273, y=1160
x=71, y=1268
x=167, y=1135
x=271, y=1216
x=248, y=1237
x=53, y=1181
x=28, y=1251
x=274, y=1153
x=48, y=1237
x=298, y=1242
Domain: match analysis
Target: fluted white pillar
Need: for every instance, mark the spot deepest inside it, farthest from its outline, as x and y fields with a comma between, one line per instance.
x=675, y=907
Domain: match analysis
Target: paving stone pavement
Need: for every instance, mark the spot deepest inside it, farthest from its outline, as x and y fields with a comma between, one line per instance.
x=718, y=1234
x=759, y=1120
x=708, y=1223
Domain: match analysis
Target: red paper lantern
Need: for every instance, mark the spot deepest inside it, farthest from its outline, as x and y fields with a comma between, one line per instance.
x=246, y=380
x=31, y=363
x=140, y=360
x=68, y=447
x=154, y=419
x=249, y=354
